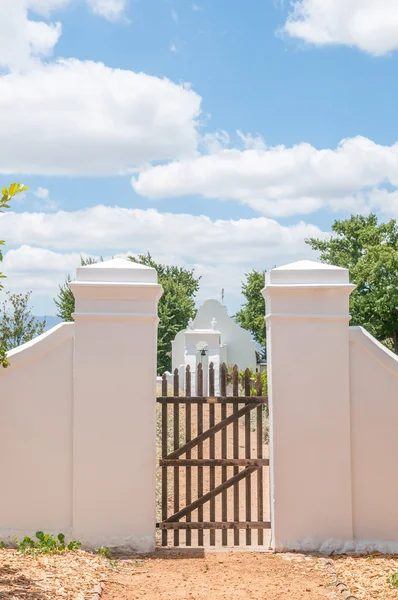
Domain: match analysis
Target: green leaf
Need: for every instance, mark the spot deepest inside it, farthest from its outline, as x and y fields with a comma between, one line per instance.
x=369, y=250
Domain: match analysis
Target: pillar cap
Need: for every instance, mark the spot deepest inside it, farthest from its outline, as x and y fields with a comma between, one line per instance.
x=307, y=273
x=117, y=270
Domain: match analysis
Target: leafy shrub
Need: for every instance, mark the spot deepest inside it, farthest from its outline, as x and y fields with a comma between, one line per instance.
x=46, y=544
x=103, y=551
x=253, y=380
x=393, y=580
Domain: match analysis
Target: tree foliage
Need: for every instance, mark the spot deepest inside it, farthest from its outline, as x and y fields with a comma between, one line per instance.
x=252, y=314
x=176, y=306
x=17, y=324
x=369, y=250
x=6, y=195
x=65, y=301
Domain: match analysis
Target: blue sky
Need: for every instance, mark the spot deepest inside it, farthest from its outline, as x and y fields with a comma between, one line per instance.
x=228, y=131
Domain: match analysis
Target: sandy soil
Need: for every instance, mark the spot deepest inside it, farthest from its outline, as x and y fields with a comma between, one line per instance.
x=62, y=576
x=368, y=576
x=249, y=576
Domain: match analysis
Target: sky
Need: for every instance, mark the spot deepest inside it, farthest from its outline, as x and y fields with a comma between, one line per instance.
x=217, y=135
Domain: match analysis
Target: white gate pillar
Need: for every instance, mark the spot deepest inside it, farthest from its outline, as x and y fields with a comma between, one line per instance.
x=307, y=306
x=114, y=412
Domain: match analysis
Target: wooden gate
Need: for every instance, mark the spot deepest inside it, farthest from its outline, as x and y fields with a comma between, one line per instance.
x=217, y=483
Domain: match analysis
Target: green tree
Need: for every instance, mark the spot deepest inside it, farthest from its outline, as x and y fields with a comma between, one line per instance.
x=17, y=324
x=176, y=306
x=369, y=250
x=6, y=195
x=252, y=314
x=65, y=301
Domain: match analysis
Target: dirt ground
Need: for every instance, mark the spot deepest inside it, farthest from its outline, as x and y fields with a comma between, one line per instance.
x=61, y=576
x=195, y=575
x=368, y=576
x=240, y=576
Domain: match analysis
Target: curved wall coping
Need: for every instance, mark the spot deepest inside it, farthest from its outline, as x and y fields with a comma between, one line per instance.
x=385, y=357
x=39, y=346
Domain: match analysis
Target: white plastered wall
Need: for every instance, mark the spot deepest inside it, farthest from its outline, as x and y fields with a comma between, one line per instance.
x=36, y=396
x=374, y=424
x=78, y=417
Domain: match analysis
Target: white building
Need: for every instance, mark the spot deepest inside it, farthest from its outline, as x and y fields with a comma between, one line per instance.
x=212, y=337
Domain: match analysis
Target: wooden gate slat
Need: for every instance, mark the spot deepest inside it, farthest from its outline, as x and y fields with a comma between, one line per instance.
x=188, y=483
x=214, y=462
x=212, y=494
x=212, y=431
x=199, y=388
x=235, y=393
x=217, y=525
x=224, y=441
x=212, y=455
x=176, y=432
x=164, y=453
x=214, y=400
x=260, y=490
x=248, y=455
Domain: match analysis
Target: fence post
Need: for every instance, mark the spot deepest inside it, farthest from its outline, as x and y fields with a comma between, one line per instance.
x=307, y=306
x=114, y=413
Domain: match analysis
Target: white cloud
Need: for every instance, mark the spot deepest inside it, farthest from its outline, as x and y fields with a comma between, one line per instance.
x=173, y=48
x=41, y=193
x=251, y=142
x=279, y=181
x=45, y=202
x=371, y=25
x=114, y=229
x=214, y=142
x=46, y=7
x=174, y=15
x=92, y=120
x=195, y=7
x=109, y=9
x=24, y=41
x=38, y=269
x=48, y=246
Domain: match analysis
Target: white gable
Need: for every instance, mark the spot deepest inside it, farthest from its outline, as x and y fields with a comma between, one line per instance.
x=221, y=339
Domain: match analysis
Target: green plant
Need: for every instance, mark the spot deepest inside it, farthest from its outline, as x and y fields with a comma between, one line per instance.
x=17, y=324
x=65, y=300
x=114, y=564
x=253, y=381
x=2, y=545
x=176, y=306
x=103, y=551
x=252, y=314
x=45, y=544
x=369, y=250
x=393, y=580
x=6, y=195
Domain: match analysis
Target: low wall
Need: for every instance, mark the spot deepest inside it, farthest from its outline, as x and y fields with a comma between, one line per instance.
x=333, y=400
x=78, y=423
x=36, y=397
x=78, y=420
x=374, y=442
